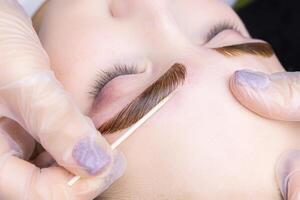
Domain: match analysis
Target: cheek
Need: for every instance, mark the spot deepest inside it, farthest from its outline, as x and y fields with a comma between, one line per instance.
x=206, y=145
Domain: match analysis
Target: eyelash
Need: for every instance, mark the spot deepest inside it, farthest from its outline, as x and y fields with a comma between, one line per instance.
x=215, y=30
x=105, y=77
x=119, y=70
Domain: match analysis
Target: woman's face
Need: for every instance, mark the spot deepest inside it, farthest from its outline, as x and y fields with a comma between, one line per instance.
x=202, y=144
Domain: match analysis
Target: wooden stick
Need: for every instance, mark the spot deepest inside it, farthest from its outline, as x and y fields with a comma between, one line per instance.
x=132, y=129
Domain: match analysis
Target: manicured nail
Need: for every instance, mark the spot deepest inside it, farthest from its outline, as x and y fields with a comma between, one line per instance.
x=255, y=80
x=287, y=165
x=118, y=168
x=91, y=156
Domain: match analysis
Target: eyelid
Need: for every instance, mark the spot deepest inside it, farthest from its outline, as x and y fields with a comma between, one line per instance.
x=219, y=28
x=146, y=100
x=104, y=77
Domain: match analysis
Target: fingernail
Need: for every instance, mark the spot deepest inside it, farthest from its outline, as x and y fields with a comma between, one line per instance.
x=117, y=170
x=91, y=156
x=255, y=80
x=287, y=165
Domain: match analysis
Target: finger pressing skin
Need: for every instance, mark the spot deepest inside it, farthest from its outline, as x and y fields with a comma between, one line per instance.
x=31, y=96
x=275, y=96
x=22, y=180
x=40, y=104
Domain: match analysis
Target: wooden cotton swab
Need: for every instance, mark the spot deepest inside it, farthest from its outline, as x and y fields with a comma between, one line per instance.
x=132, y=129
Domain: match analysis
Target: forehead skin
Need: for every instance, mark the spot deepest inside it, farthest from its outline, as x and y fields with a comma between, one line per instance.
x=202, y=144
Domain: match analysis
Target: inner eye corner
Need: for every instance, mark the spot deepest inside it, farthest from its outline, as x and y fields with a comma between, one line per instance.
x=141, y=67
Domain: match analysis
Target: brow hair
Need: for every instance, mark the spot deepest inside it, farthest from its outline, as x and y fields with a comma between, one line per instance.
x=256, y=48
x=142, y=104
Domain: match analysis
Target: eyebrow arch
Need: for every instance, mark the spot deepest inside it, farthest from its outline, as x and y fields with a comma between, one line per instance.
x=262, y=49
x=142, y=104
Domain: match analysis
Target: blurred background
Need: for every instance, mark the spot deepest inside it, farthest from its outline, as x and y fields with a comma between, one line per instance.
x=278, y=22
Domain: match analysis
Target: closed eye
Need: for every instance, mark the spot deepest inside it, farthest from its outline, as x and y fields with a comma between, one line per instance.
x=220, y=27
x=103, y=77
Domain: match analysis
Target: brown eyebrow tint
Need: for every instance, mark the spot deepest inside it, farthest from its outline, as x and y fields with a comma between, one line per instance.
x=142, y=104
x=257, y=49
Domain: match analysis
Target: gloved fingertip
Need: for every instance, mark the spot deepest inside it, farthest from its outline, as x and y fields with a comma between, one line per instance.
x=98, y=184
x=91, y=156
x=117, y=170
x=287, y=166
x=251, y=79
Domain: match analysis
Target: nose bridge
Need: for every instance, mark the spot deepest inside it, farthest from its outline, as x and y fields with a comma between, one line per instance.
x=167, y=42
x=194, y=59
x=190, y=57
x=138, y=8
x=147, y=7
x=157, y=21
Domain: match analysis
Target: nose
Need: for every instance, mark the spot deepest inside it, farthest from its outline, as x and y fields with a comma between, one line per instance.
x=166, y=42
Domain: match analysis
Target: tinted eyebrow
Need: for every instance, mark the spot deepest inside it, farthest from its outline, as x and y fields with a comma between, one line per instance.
x=256, y=48
x=142, y=104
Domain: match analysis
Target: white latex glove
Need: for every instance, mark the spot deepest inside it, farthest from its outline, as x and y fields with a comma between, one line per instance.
x=275, y=96
x=31, y=97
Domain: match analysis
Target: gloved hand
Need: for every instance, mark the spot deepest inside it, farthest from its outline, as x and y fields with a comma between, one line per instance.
x=31, y=97
x=275, y=96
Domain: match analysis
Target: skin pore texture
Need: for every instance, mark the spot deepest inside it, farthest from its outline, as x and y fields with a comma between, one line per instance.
x=202, y=144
